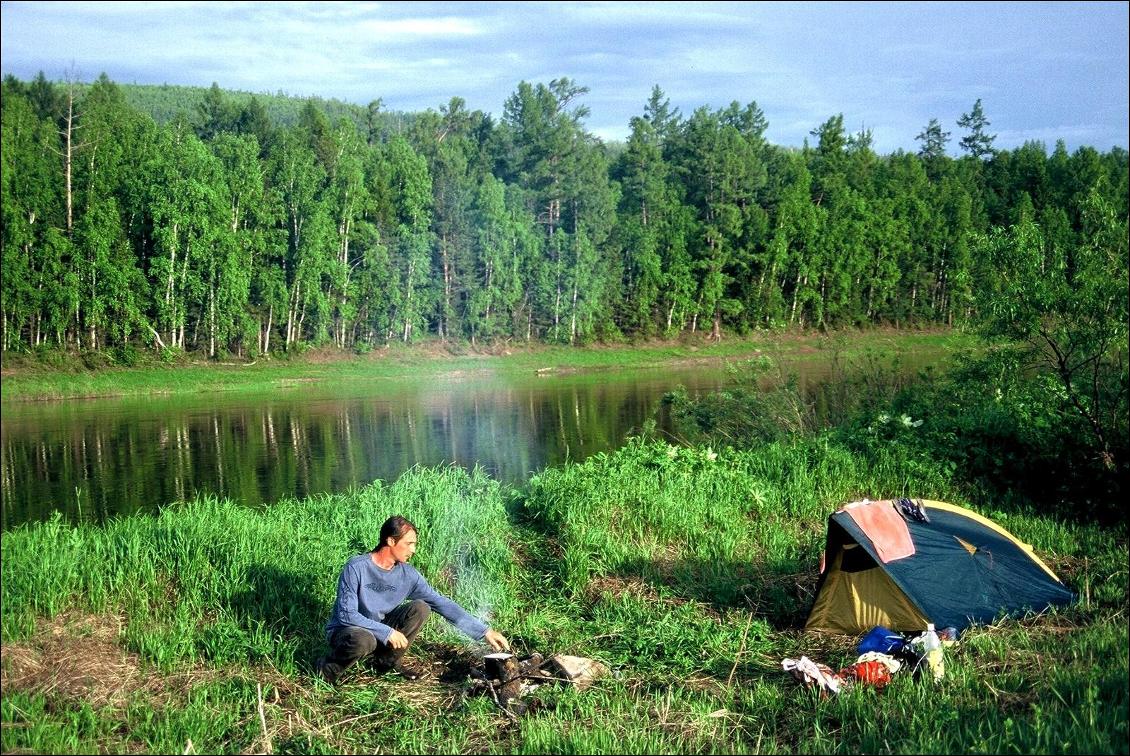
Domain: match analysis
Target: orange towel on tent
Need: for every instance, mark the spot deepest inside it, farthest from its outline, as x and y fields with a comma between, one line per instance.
x=885, y=527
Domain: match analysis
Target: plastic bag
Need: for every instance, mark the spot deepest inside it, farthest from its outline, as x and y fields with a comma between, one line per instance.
x=882, y=640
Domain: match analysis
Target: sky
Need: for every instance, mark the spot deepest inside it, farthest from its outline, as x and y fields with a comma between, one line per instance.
x=1043, y=71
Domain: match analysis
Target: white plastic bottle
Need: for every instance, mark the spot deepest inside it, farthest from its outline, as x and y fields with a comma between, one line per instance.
x=932, y=650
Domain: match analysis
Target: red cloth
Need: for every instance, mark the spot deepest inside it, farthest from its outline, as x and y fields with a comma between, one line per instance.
x=870, y=672
x=885, y=527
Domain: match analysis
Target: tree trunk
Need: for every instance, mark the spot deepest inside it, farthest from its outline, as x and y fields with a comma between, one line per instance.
x=212, y=321
x=343, y=256
x=156, y=336
x=490, y=294
x=408, y=303
x=292, y=314
x=443, y=324
x=68, y=158
x=183, y=288
x=169, y=283
x=573, y=317
x=796, y=297
x=267, y=331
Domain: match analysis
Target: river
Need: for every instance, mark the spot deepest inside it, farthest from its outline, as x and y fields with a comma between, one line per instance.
x=95, y=459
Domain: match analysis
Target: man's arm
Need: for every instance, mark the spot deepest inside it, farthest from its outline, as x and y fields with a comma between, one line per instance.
x=467, y=624
x=345, y=609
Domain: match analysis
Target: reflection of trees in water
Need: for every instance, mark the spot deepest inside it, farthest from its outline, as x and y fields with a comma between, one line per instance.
x=105, y=463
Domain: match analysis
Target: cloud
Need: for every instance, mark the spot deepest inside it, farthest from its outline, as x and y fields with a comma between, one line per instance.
x=411, y=29
x=890, y=67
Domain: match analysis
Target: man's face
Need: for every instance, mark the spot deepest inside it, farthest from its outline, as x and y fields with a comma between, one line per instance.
x=403, y=549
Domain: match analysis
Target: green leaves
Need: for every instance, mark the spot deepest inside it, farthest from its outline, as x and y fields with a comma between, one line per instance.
x=1066, y=310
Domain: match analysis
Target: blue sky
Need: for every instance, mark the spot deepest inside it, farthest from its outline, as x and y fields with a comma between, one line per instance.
x=1043, y=71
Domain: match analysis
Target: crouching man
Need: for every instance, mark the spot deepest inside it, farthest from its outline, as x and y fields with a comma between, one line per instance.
x=372, y=617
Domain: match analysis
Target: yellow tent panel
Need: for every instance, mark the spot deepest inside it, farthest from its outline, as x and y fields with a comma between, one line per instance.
x=851, y=600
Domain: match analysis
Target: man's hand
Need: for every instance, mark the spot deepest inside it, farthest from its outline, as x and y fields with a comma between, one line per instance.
x=397, y=640
x=496, y=640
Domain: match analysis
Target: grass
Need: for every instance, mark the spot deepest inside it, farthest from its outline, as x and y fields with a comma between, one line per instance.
x=687, y=571
x=26, y=378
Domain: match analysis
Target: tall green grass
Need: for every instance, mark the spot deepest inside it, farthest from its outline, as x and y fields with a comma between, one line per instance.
x=700, y=520
x=212, y=580
x=688, y=571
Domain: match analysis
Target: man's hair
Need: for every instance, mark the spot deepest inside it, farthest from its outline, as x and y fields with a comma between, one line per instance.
x=395, y=527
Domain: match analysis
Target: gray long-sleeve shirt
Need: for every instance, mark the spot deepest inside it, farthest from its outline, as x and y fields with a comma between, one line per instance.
x=366, y=593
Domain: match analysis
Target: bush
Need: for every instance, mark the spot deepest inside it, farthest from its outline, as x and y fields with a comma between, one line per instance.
x=763, y=405
x=1004, y=433
x=49, y=356
x=170, y=355
x=125, y=355
x=94, y=360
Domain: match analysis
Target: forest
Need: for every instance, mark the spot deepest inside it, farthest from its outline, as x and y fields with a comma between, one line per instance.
x=233, y=226
x=175, y=224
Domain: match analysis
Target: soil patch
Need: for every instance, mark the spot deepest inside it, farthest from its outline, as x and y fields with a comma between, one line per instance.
x=74, y=655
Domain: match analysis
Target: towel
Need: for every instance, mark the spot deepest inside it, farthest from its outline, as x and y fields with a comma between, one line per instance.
x=813, y=675
x=885, y=527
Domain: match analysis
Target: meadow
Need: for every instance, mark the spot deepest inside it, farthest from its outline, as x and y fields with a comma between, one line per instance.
x=687, y=570
x=51, y=375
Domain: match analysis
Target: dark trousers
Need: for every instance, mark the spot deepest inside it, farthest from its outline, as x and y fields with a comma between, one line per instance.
x=348, y=644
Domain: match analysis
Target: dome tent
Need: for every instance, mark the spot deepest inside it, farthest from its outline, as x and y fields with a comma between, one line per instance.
x=954, y=568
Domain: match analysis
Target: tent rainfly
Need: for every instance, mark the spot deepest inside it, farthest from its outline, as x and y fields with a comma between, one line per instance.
x=902, y=564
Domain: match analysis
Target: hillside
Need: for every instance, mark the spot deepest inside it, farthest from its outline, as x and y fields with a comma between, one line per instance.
x=164, y=101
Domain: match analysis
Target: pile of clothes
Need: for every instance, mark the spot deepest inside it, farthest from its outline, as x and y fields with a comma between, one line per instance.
x=882, y=654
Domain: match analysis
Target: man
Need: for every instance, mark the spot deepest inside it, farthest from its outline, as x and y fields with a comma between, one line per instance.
x=370, y=618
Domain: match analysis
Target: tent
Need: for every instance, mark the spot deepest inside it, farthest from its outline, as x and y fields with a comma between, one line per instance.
x=962, y=569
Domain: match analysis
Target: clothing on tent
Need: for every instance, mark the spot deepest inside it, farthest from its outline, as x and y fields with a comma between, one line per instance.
x=915, y=510
x=885, y=527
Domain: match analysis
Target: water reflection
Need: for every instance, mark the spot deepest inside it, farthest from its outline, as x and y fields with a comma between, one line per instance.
x=96, y=459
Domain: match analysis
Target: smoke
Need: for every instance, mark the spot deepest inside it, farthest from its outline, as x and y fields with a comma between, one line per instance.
x=464, y=536
x=474, y=583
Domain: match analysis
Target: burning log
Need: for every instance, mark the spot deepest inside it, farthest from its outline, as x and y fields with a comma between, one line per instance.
x=501, y=666
x=502, y=703
x=507, y=671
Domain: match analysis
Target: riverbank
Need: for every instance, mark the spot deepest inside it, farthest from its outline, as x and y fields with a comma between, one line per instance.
x=195, y=630
x=29, y=379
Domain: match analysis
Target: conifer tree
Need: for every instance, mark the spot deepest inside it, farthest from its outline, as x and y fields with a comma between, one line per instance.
x=978, y=143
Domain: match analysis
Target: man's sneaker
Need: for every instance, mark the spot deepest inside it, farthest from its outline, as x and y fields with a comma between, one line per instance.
x=325, y=670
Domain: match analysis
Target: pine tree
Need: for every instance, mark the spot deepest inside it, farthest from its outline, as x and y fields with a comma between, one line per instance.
x=978, y=142
x=933, y=150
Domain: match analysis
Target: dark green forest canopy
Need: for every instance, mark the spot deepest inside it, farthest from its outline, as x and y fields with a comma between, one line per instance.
x=183, y=218
x=165, y=102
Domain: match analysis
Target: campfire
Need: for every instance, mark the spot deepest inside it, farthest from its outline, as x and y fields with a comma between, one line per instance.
x=505, y=678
